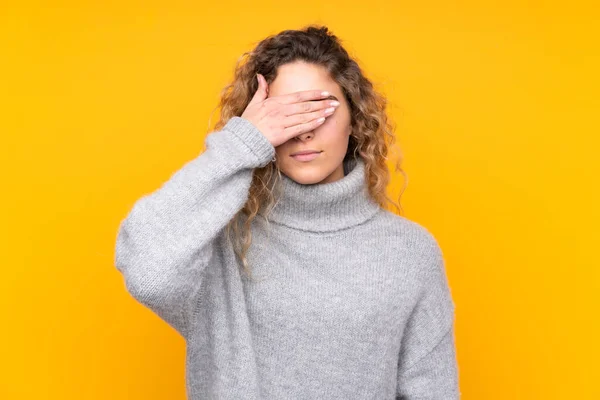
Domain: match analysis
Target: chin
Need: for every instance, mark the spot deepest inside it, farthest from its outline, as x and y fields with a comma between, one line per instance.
x=305, y=178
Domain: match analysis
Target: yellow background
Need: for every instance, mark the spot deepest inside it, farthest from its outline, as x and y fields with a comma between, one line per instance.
x=496, y=106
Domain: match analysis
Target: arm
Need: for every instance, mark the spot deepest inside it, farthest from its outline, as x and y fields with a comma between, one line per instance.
x=427, y=367
x=166, y=241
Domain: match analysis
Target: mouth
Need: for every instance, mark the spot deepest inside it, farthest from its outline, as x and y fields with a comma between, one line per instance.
x=306, y=156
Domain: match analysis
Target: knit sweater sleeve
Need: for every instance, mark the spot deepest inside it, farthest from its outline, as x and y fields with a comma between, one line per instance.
x=166, y=241
x=427, y=367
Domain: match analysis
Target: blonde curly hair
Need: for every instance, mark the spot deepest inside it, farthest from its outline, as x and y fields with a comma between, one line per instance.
x=372, y=132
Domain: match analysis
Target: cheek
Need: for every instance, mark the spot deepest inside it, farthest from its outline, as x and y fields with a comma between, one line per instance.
x=284, y=148
x=340, y=142
x=334, y=133
x=337, y=124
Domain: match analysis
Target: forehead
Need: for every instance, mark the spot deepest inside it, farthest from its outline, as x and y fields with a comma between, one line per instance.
x=298, y=76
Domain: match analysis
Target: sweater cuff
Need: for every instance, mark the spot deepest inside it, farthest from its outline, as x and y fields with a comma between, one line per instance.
x=252, y=137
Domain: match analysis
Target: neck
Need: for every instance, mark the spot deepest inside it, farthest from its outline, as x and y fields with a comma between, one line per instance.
x=325, y=207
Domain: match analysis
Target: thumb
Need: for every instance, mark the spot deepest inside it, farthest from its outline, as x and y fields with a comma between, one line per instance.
x=261, y=92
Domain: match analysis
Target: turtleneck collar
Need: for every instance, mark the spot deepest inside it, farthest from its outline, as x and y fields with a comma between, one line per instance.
x=326, y=207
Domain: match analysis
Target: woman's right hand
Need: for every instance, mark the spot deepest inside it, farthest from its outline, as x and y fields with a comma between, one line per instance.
x=281, y=118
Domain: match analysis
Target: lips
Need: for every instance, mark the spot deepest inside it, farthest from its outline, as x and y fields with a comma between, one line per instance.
x=298, y=153
x=306, y=156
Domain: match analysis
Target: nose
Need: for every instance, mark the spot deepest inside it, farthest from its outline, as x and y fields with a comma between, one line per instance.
x=305, y=136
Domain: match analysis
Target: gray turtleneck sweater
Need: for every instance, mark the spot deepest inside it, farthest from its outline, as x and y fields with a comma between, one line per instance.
x=347, y=300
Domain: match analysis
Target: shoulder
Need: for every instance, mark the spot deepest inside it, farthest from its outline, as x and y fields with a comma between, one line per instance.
x=428, y=265
x=417, y=241
x=419, y=237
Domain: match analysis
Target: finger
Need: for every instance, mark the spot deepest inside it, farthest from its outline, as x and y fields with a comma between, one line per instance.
x=261, y=92
x=301, y=96
x=297, y=119
x=293, y=131
x=308, y=106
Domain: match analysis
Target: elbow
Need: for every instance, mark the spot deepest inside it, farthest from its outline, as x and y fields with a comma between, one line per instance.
x=149, y=277
x=132, y=262
x=141, y=280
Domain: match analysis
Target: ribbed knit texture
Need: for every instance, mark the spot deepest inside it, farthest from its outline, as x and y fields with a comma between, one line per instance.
x=347, y=300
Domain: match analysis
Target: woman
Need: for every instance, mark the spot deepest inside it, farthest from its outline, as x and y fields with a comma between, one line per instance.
x=271, y=252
